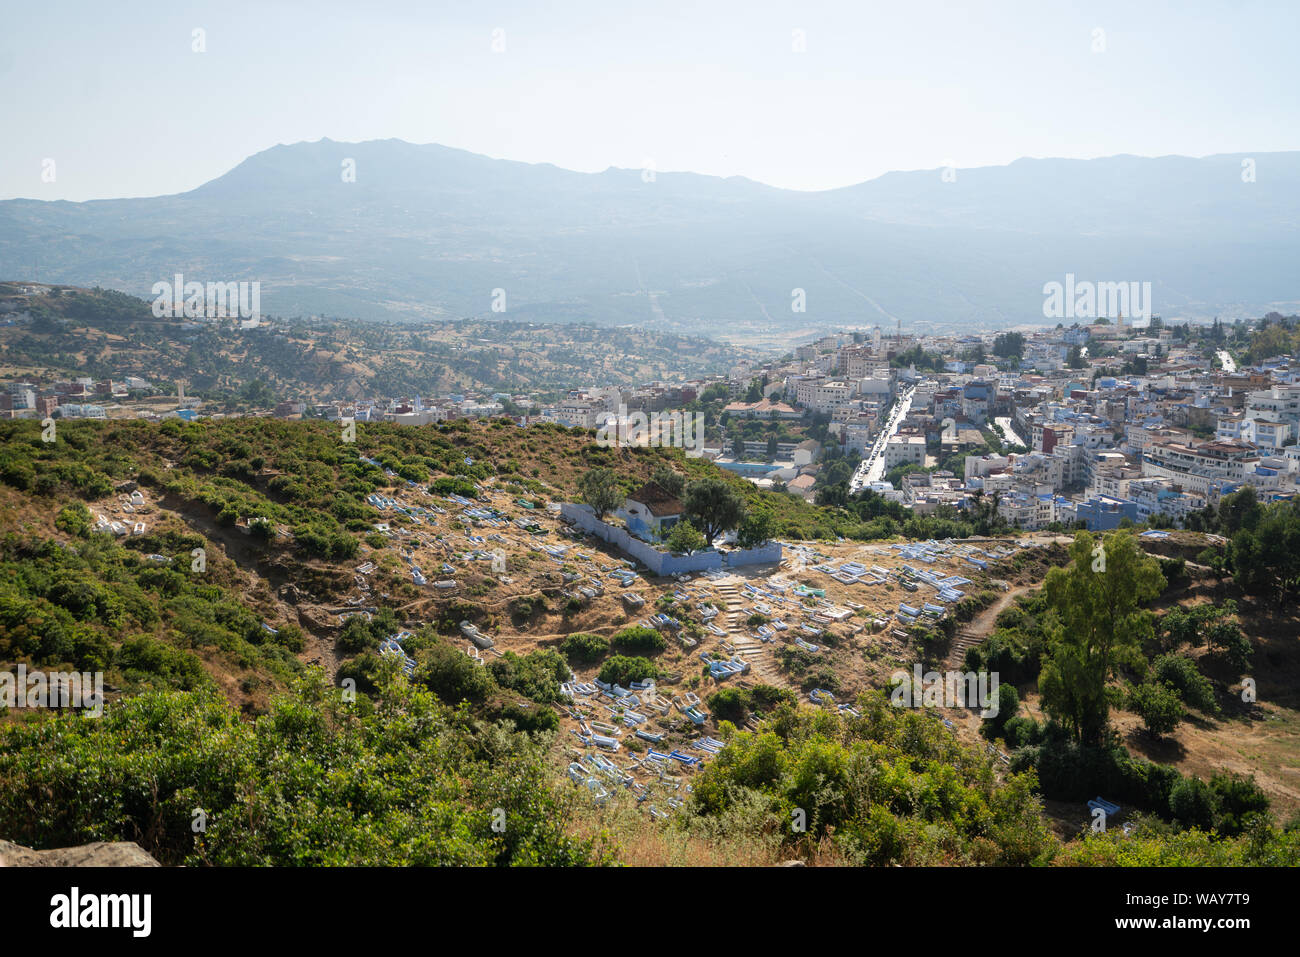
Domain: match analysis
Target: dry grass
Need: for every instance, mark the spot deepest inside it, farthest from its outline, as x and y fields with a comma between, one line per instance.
x=639, y=841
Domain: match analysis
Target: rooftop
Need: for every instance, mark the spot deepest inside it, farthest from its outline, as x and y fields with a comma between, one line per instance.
x=657, y=500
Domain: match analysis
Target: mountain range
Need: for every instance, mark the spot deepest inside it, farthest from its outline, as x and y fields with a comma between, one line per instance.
x=426, y=232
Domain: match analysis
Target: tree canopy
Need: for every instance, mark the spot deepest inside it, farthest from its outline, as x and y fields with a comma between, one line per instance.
x=1098, y=601
x=685, y=537
x=713, y=506
x=599, y=488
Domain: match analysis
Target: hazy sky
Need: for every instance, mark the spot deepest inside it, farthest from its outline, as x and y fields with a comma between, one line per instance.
x=116, y=96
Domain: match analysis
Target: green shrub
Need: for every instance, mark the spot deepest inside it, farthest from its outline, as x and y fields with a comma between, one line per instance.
x=1021, y=732
x=1192, y=687
x=536, y=675
x=526, y=607
x=364, y=670
x=856, y=782
x=1237, y=799
x=1068, y=771
x=622, y=670
x=452, y=486
x=315, y=782
x=144, y=660
x=639, y=640
x=530, y=719
x=1008, y=708
x=74, y=519
x=1193, y=803
x=452, y=675
x=729, y=704
x=358, y=636
x=1158, y=706
x=584, y=649
x=765, y=698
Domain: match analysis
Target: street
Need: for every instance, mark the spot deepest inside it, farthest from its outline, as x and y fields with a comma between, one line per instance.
x=873, y=462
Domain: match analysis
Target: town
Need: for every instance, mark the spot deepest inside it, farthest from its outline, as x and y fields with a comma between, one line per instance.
x=1087, y=426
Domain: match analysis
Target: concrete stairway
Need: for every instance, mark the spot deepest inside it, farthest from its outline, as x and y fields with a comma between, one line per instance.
x=963, y=641
x=763, y=668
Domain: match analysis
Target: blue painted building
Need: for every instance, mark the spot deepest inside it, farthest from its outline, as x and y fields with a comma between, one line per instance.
x=1103, y=513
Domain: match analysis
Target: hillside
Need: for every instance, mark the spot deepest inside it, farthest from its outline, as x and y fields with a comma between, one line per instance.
x=105, y=334
x=307, y=577
x=426, y=231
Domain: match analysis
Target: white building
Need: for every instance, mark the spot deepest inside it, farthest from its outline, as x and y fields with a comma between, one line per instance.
x=827, y=397
x=1199, y=467
x=904, y=450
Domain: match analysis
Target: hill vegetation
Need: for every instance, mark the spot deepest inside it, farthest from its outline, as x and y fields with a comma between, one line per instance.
x=106, y=334
x=216, y=704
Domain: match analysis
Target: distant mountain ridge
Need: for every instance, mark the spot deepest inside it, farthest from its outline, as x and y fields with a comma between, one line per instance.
x=428, y=231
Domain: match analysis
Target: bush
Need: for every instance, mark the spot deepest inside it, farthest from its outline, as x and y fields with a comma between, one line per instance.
x=363, y=670
x=451, y=675
x=358, y=636
x=529, y=719
x=451, y=486
x=1238, y=799
x=1014, y=653
x=815, y=761
x=1008, y=706
x=729, y=704
x=144, y=659
x=1021, y=732
x=1158, y=706
x=765, y=698
x=537, y=675
x=317, y=540
x=525, y=607
x=1068, y=771
x=1192, y=687
x=1174, y=570
x=1193, y=803
x=314, y=782
x=74, y=519
x=1214, y=559
x=1232, y=642
x=290, y=636
x=622, y=670
x=639, y=640
x=583, y=648
x=736, y=704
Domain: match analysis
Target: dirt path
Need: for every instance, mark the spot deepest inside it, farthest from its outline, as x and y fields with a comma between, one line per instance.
x=981, y=626
x=251, y=560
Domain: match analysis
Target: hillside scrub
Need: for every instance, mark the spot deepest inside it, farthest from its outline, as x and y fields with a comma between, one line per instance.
x=889, y=787
x=314, y=782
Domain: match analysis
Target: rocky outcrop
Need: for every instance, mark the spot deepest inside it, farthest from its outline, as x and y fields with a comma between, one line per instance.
x=100, y=854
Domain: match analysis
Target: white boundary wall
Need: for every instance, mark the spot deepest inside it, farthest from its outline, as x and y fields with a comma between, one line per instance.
x=663, y=563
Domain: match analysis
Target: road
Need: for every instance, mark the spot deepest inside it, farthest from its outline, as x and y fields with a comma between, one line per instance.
x=873, y=462
x=1229, y=364
x=1004, y=423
